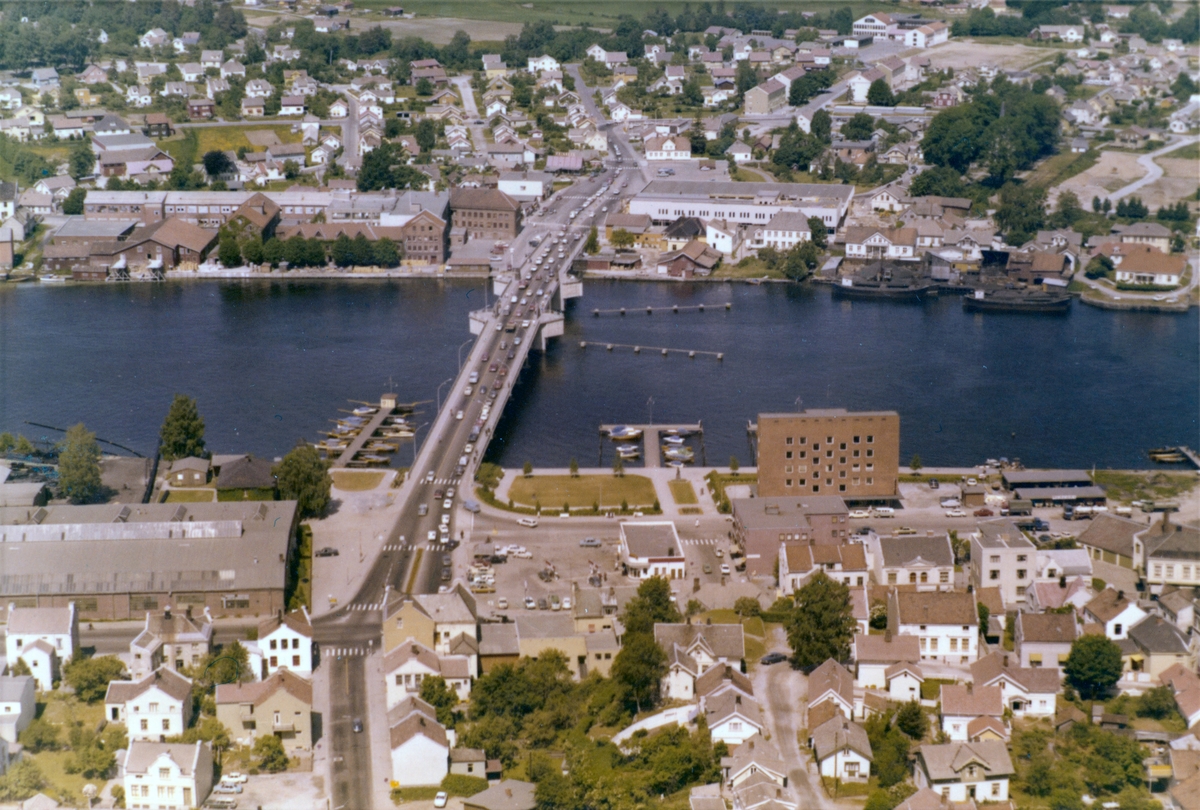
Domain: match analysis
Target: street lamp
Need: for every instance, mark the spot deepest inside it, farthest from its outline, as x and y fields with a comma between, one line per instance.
x=466, y=342
x=439, y=394
x=417, y=430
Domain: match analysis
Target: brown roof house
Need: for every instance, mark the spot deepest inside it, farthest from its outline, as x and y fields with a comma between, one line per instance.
x=946, y=624
x=153, y=708
x=251, y=476
x=832, y=682
x=964, y=704
x=1026, y=691
x=694, y=259
x=419, y=745
x=962, y=771
x=280, y=706
x=1044, y=639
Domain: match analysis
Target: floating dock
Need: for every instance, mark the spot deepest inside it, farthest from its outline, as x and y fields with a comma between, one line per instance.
x=651, y=436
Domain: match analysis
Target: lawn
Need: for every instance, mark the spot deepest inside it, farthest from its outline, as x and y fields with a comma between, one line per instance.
x=189, y=496
x=931, y=689
x=552, y=491
x=64, y=710
x=348, y=481
x=227, y=138
x=230, y=495
x=683, y=492
x=1189, y=152
x=560, y=12
x=745, y=175
x=750, y=267
x=300, y=575
x=1136, y=486
x=1061, y=167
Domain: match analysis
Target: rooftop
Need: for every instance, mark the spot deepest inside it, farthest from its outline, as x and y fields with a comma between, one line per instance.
x=651, y=539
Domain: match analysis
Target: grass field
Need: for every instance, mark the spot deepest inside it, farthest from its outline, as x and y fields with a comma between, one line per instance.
x=1063, y=166
x=226, y=138
x=63, y=711
x=745, y=175
x=190, y=496
x=552, y=491
x=931, y=689
x=683, y=492
x=566, y=12
x=348, y=481
x=750, y=267
x=1189, y=152
x=1136, y=486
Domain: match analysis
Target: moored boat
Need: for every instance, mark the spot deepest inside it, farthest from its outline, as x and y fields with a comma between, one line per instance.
x=1011, y=300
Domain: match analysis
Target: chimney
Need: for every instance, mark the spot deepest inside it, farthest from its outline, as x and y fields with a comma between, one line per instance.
x=1120, y=595
x=1166, y=523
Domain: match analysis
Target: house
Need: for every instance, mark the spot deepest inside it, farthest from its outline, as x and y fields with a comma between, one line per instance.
x=846, y=563
x=410, y=663
x=865, y=242
x=875, y=656
x=965, y=770
x=1026, y=691
x=253, y=107
x=924, y=562
x=651, y=549
x=694, y=259
x=761, y=524
x=842, y=750
x=153, y=38
x=153, y=708
x=526, y=186
x=766, y=98
x=420, y=750
x=668, y=147
x=165, y=776
x=17, y=705
x=783, y=231
x=962, y=705
x=1045, y=639
x=832, y=683
x=1002, y=557
x=259, y=88
x=245, y=473
x=233, y=68
x=1171, y=554
x=211, y=59
x=281, y=706
x=756, y=756
x=946, y=624
x=1152, y=268
x=33, y=632
x=1114, y=611
x=1157, y=646
x=169, y=639
x=339, y=108
x=201, y=108
x=35, y=202
x=732, y=717
x=1058, y=33
x=1111, y=539
x=927, y=36
x=692, y=650
x=286, y=642
x=435, y=621
x=1186, y=685
x=538, y=64
x=138, y=95
x=292, y=105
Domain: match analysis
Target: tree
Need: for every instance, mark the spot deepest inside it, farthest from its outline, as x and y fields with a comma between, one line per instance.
x=1067, y=211
x=1093, y=665
x=182, y=432
x=822, y=623
x=822, y=125
x=291, y=169
x=941, y=181
x=651, y=605
x=229, y=252
x=890, y=747
x=880, y=94
x=859, y=127
x=39, y=736
x=273, y=251
x=1020, y=212
x=984, y=613
x=574, y=467
x=426, y=134
x=303, y=476
x=252, y=249
x=747, y=606
x=1099, y=266
x=622, y=238
x=800, y=260
x=692, y=94
x=89, y=677
x=733, y=465
x=1157, y=703
x=270, y=753
x=83, y=161
x=592, y=245
x=618, y=467
x=73, y=204
x=912, y=720
x=915, y=464
x=22, y=780
x=424, y=87
x=217, y=163
x=640, y=667
x=79, y=465
x=441, y=697
x=820, y=233
x=527, y=468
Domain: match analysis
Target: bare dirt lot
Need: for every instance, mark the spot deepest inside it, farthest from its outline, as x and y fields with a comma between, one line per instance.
x=1179, y=181
x=967, y=53
x=1112, y=171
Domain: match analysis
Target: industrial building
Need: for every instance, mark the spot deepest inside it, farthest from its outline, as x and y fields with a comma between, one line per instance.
x=664, y=201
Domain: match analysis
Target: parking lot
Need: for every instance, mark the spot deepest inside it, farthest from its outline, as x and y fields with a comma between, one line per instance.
x=281, y=791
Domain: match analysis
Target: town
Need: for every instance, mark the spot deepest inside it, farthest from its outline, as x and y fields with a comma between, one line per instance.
x=826, y=626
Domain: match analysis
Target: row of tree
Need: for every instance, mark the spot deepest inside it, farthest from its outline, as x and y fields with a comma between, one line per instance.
x=300, y=252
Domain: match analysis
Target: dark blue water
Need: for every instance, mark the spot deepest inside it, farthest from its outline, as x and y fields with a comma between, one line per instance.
x=270, y=363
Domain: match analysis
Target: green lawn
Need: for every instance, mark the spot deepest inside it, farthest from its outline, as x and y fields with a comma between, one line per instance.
x=228, y=495
x=552, y=491
x=683, y=492
x=1136, y=486
x=745, y=175
x=348, y=481
x=561, y=12
x=64, y=710
x=189, y=496
x=1189, y=152
x=226, y=138
x=931, y=689
x=750, y=267
x=1061, y=167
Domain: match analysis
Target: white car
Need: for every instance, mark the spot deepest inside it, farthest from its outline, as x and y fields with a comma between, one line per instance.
x=235, y=778
x=431, y=536
x=860, y=514
x=956, y=513
x=725, y=569
x=440, y=799
x=469, y=448
x=448, y=504
x=883, y=512
x=528, y=522
x=458, y=415
x=502, y=603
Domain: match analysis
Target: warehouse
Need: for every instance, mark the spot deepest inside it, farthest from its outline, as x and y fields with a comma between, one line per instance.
x=118, y=561
x=754, y=203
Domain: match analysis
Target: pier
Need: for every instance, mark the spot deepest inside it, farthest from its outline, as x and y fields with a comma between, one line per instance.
x=387, y=406
x=675, y=309
x=664, y=351
x=651, y=451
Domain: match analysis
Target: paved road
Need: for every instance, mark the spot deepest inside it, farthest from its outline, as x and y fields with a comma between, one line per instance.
x=478, y=138
x=1153, y=170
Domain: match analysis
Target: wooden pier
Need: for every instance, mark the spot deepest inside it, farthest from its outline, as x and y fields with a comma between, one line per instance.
x=651, y=451
x=386, y=408
x=664, y=351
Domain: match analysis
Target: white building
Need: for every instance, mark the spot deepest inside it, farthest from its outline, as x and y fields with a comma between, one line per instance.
x=1117, y=613
x=927, y=36
x=842, y=750
x=1003, y=557
x=865, y=242
x=732, y=717
x=171, y=640
x=946, y=624
x=962, y=704
x=526, y=186
x=419, y=745
x=785, y=230
x=167, y=776
x=924, y=562
x=1026, y=691
x=154, y=708
x=285, y=642
x=668, y=147
x=875, y=655
x=693, y=649
x=651, y=549
x=406, y=666
x=543, y=62
x=45, y=638
x=17, y=706
x=753, y=203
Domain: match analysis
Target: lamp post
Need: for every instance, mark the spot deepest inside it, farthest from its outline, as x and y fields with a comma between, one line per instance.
x=439, y=393
x=466, y=343
x=415, y=432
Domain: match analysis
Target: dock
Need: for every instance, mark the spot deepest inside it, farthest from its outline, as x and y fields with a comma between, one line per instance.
x=1191, y=455
x=663, y=350
x=651, y=451
x=387, y=407
x=674, y=308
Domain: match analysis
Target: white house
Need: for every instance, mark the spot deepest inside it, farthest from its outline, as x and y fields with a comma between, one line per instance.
x=292, y=105
x=732, y=717
x=651, y=549
x=419, y=745
x=543, y=62
x=921, y=561
x=740, y=152
x=961, y=771
x=1113, y=610
x=339, y=109
x=286, y=641
x=874, y=655
x=167, y=776
x=406, y=666
x=47, y=636
x=904, y=681
x=169, y=639
x=154, y=38
x=694, y=649
x=927, y=36
x=1026, y=691
x=842, y=750
x=668, y=147
x=138, y=95
x=232, y=68
x=962, y=704
x=154, y=708
x=946, y=624
x=259, y=88
x=17, y=705
x=865, y=242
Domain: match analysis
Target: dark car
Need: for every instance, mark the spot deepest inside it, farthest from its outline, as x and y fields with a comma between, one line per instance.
x=437, y=494
x=774, y=658
x=492, y=368
x=511, y=355
x=984, y=513
x=447, y=575
x=327, y=552
x=543, y=604
x=933, y=483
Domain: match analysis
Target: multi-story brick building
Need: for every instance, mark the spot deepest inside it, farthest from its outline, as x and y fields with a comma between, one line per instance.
x=485, y=213
x=855, y=455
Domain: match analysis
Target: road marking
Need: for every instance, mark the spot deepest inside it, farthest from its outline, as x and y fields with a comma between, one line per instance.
x=701, y=542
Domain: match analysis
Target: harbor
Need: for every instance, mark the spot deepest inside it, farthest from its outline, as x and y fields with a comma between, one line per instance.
x=368, y=435
x=659, y=443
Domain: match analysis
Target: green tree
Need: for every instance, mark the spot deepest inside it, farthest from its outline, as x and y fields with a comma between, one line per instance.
x=912, y=720
x=747, y=606
x=1093, y=665
x=228, y=251
x=73, y=204
x=79, y=465
x=210, y=730
x=273, y=251
x=984, y=614
x=89, y=677
x=822, y=623
x=217, y=163
x=424, y=87
x=441, y=697
x=640, y=667
x=1067, y=211
x=622, y=238
x=426, y=134
x=574, y=468
x=915, y=464
x=651, y=605
x=733, y=465
x=386, y=253
x=822, y=125
x=271, y=756
x=890, y=747
x=303, y=476
x=1158, y=703
x=592, y=245
x=859, y=127
x=22, y=780
x=252, y=249
x=182, y=432
x=40, y=735
x=82, y=160
x=819, y=232
x=1099, y=266
x=880, y=94
x=1020, y=212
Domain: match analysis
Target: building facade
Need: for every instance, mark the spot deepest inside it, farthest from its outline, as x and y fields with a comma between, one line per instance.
x=854, y=455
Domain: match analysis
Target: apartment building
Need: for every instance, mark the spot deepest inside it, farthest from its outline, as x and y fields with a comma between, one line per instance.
x=854, y=455
x=1003, y=557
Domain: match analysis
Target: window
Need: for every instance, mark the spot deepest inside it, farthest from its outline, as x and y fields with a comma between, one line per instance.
x=164, y=773
x=273, y=644
x=856, y=439
x=1021, y=573
x=1022, y=557
x=870, y=440
x=295, y=660
x=993, y=575
x=944, y=576
x=1117, y=629
x=166, y=724
x=995, y=788
x=788, y=454
x=153, y=707
x=924, y=576
x=912, y=578
x=842, y=446
x=995, y=558
x=891, y=577
x=870, y=453
x=145, y=724
x=788, y=482
x=788, y=440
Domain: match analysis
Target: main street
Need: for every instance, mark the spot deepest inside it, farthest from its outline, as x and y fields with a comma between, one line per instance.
x=417, y=566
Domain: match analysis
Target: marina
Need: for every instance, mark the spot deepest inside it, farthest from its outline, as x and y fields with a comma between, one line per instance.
x=666, y=442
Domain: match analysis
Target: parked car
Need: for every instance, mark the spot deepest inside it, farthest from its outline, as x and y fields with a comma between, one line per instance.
x=956, y=513
x=328, y=551
x=543, y=604
x=529, y=603
x=725, y=569
x=502, y=603
x=235, y=778
x=440, y=799
x=985, y=512
x=590, y=542
x=933, y=483
x=555, y=602
x=226, y=787
x=859, y=514
x=707, y=568
x=905, y=530
x=774, y=658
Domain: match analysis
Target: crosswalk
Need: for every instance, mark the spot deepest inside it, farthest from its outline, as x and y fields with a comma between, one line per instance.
x=444, y=482
x=335, y=652
x=412, y=546
x=707, y=541
x=363, y=608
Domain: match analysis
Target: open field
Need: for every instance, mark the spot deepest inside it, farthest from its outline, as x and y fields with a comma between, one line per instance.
x=190, y=496
x=1061, y=167
x=348, y=481
x=1112, y=171
x=552, y=491
x=968, y=53
x=1137, y=485
x=1180, y=178
x=228, y=138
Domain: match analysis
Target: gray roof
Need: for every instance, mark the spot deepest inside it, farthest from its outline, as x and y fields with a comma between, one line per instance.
x=1002, y=534
x=1172, y=542
x=657, y=539
x=508, y=794
x=726, y=641
x=119, y=548
x=545, y=625
x=498, y=639
x=12, y=687
x=168, y=680
x=1154, y=634
x=1059, y=493
x=1045, y=477
x=78, y=227
x=143, y=754
x=886, y=649
x=725, y=704
x=946, y=762
x=38, y=621
x=837, y=734
x=135, y=140
x=730, y=189
x=1111, y=533
x=755, y=751
x=914, y=550
x=783, y=512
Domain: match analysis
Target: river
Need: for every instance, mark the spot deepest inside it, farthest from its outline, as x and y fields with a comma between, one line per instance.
x=270, y=363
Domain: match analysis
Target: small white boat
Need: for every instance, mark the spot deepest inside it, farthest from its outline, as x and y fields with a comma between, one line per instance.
x=679, y=453
x=364, y=410
x=674, y=441
x=628, y=454
x=628, y=448
x=624, y=433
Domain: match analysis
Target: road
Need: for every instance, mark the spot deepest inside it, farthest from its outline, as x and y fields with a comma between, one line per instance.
x=1153, y=170
x=478, y=138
